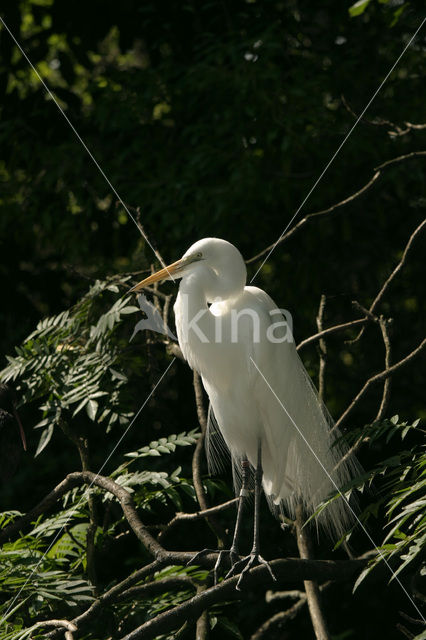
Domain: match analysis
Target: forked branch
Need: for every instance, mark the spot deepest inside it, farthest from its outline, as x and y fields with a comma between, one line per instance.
x=360, y=192
x=379, y=377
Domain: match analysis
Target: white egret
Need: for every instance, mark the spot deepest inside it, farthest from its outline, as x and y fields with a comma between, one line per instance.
x=263, y=400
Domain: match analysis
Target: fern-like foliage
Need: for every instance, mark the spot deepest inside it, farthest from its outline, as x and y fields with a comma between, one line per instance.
x=399, y=483
x=71, y=362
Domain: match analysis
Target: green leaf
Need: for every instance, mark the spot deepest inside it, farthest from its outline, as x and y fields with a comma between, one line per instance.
x=44, y=439
x=230, y=628
x=358, y=8
x=92, y=408
x=129, y=309
x=364, y=573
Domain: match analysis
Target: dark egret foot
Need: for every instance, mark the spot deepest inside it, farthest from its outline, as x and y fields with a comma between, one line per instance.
x=249, y=561
x=233, y=558
x=221, y=555
x=200, y=554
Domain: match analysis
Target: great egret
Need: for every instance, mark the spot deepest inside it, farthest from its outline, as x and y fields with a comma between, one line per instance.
x=263, y=400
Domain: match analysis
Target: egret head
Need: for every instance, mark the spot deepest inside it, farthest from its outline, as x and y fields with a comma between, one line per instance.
x=220, y=263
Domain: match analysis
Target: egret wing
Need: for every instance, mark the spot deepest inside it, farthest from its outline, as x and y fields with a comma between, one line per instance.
x=302, y=460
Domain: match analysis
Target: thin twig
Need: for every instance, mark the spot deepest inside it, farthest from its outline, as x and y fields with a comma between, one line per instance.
x=155, y=588
x=377, y=378
x=277, y=621
x=381, y=122
x=73, y=538
x=137, y=210
x=396, y=270
x=311, y=587
x=69, y=627
x=198, y=515
x=378, y=172
x=166, y=308
x=155, y=292
x=82, y=445
x=399, y=159
x=293, y=594
x=383, y=323
x=196, y=460
x=331, y=330
x=384, y=328
x=315, y=214
x=322, y=349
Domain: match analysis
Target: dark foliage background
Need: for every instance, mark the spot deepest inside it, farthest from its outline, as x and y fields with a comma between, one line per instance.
x=215, y=119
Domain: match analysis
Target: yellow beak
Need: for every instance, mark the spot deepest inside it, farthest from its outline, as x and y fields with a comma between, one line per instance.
x=163, y=274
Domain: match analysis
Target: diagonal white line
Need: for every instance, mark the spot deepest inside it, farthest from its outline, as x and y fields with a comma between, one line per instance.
x=341, y=494
x=341, y=144
x=113, y=189
x=87, y=489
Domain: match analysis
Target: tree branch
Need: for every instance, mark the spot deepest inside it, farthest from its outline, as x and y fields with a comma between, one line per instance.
x=322, y=348
x=315, y=214
x=378, y=172
x=196, y=461
x=399, y=159
x=137, y=211
x=331, y=330
x=155, y=588
x=398, y=267
x=196, y=458
x=369, y=313
x=377, y=378
x=198, y=515
x=113, y=594
x=69, y=627
x=82, y=445
x=311, y=587
x=107, y=484
x=384, y=328
x=285, y=570
x=381, y=122
x=202, y=629
x=278, y=620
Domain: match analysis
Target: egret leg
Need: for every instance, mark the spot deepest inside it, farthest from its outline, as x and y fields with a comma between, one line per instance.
x=233, y=551
x=254, y=557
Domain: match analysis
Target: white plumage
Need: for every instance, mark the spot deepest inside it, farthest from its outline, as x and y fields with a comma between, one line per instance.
x=259, y=389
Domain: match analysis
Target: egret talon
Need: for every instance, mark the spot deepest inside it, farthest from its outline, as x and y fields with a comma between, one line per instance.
x=221, y=553
x=233, y=556
x=198, y=555
x=250, y=561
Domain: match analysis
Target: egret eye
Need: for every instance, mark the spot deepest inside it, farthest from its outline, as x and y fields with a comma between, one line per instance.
x=199, y=255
